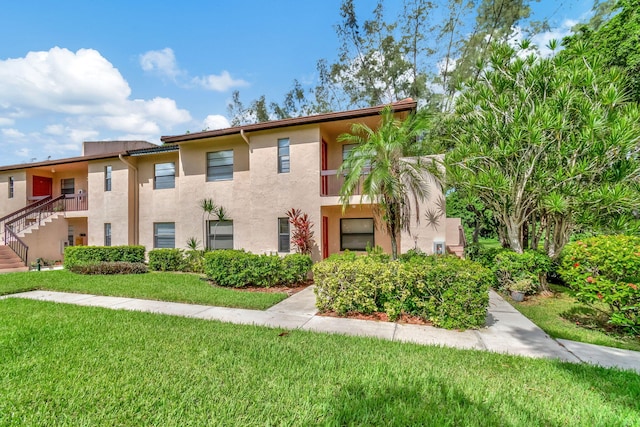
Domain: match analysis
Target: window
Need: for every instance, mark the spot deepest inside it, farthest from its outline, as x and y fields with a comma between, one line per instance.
x=164, y=235
x=283, y=155
x=220, y=234
x=165, y=176
x=356, y=233
x=220, y=165
x=346, y=150
x=107, y=234
x=68, y=186
x=284, y=238
x=107, y=178
x=11, y=187
x=70, y=235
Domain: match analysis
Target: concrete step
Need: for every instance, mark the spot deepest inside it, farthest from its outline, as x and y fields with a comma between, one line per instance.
x=10, y=261
x=456, y=250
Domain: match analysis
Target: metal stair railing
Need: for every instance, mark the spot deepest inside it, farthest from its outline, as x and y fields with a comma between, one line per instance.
x=31, y=215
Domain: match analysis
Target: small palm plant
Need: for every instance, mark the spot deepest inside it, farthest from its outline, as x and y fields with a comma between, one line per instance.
x=208, y=208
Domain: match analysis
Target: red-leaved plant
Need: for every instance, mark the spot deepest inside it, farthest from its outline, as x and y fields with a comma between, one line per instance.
x=301, y=236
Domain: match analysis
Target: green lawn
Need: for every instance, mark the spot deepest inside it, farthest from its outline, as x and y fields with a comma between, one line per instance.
x=71, y=365
x=177, y=287
x=561, y=316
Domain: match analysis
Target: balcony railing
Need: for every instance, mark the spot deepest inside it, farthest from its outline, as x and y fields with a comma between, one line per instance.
x=76, y=202
x=331, y=182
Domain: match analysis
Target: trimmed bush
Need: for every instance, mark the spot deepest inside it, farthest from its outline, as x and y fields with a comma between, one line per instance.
x=194, y=261
x=74, y=255
x=447, y=291
x=166, y=260
x=606, y=269
x=106, y=267
x=237, y=268
x=295, y=268
x=511, y=267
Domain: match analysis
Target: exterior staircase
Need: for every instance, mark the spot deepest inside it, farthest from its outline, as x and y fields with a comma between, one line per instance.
x=9, y=261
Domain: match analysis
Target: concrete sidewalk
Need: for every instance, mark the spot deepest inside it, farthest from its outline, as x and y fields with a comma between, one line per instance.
x=507, y=331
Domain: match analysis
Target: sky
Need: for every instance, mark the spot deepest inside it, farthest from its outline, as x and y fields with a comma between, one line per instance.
x=74, y=71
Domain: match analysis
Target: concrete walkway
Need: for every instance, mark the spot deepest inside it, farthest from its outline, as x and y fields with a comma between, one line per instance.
x=507, y=331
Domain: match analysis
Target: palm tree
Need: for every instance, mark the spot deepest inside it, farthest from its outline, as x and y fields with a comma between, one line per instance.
x=208, y=207
x=386, y=163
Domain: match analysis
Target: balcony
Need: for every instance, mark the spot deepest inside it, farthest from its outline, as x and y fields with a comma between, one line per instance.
x=76, y=202
x=331, y=182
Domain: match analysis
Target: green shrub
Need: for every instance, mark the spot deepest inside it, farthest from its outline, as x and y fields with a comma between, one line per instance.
x=447, y=291
x=347, y=255
x=166, y=260
x=194, y=261
x=411, y=254
x=484, y=256
x=237, y=268
x=606, y=269
x=108, y=267
x=74, y=255
x=511, y=267
x=295, y=268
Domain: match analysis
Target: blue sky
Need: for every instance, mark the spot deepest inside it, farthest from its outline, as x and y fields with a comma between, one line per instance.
x=72, y=71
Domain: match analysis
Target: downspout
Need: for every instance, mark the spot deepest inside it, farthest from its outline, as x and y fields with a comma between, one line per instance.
x=242, y=134
x=136, y=221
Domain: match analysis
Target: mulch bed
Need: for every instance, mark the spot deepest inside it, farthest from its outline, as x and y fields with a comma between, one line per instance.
x=379, y=317
x=289, y=290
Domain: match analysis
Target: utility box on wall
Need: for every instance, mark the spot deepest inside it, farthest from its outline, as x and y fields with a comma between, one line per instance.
x=438, y=247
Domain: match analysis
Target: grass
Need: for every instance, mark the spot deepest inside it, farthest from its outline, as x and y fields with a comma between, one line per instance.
x=178, y=287
x=562, y=316
x=489, y=243
x=70, y=365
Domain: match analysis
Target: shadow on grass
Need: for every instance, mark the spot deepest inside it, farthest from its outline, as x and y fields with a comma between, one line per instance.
x=437, y=403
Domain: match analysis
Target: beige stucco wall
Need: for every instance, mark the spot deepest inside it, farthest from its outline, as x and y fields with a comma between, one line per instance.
x=47, y=241
x=158, y=205
x=19, y=199
x=109, y=206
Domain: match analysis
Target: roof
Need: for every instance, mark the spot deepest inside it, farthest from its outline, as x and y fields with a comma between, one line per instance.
x=60, y=161
x=404, y=105
x=136, y=152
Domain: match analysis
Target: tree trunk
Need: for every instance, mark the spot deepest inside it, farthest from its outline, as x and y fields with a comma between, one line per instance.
x=514, y=235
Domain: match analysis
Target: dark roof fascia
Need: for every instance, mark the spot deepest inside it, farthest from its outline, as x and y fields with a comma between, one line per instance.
x=406, y=105
x=60, y=161
x=154, y=150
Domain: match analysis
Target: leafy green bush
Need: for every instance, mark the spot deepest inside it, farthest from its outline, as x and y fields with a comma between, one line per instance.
x=511, y=267
x=295, y=268
x=194, y=261
x=108, y=267
x=447, y=291
x=74, y=255
x=606, y=269
x=484, y=256
x=237, y=268
x=167, y=260
x=411, y=254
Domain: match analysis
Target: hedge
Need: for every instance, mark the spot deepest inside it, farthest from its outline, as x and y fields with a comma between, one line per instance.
x=106, y=267
x=166, y=260
x=606, y=270
x=511, y=267
x=74, y=255
x=445, y=290
x=237, y=268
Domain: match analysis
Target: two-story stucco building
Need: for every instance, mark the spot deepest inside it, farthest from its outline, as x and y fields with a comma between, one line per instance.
x=133, y=192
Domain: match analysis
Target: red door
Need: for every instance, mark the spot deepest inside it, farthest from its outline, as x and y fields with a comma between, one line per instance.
x=325, y=237
x=41, y=186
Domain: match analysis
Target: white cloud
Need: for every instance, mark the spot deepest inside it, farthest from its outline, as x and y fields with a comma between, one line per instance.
x=542, y=40
x=12, y=133
x=161, y=61
x=215, y=121
x=83, y=90
x=219, y=83
x=164, y=63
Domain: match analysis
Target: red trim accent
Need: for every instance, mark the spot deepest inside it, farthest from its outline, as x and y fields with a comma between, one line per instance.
x=325, y=237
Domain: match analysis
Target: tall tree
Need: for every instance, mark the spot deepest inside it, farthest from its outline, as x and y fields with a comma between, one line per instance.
x=386, y=166
x=613, y=34
x=540, y=141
